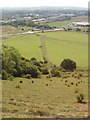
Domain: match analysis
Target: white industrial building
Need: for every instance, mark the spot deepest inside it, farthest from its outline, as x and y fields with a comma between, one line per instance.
x=83, y=24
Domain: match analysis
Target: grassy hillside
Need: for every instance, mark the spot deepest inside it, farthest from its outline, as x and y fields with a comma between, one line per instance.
x=39, y=100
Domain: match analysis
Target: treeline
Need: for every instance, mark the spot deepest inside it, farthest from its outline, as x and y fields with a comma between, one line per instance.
x=28, y=23
x=14, y=65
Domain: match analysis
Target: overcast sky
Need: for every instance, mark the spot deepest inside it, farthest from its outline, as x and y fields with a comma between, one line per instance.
x=31, y=3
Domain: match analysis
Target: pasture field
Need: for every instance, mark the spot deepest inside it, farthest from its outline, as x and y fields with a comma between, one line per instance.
x=45, y=97
x=28, y=45
x=58, y=46
x=59, y=24
x=7, y=29
x=80, y=19
x=63, y=45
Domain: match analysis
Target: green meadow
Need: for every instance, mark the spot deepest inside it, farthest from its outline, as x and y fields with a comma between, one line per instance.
x=27, y=45
x=58, y=24
x=73, y=45
x=59, y=45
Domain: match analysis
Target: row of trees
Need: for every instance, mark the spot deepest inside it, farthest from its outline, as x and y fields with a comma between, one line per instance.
x=28, y=23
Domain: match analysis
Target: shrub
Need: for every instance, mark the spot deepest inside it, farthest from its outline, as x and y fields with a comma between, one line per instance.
x=65, y=80
x=68, y=85
x=76, y=84
x=44, y=71
x=46, y=84
x=80, y=98
x=49, y=76
x=68, y=65
x=21, y=81
x=4, y=75
x=32, y=81
x=45, y=61
x=17, y=86
x=55, y=72
x=76, y=90
x=72, y=83
x=28, y=76
x=37, y=63
x=78, y=29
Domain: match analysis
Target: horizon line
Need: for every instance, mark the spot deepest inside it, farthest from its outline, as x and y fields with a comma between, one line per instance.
x=41, y=6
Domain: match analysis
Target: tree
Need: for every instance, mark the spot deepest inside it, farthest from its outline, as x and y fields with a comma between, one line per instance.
x=78, y=29
x=68, y=65
x=10, y=59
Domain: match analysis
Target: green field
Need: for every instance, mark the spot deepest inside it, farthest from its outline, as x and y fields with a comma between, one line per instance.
x=73, y=45
x=37, y=100
x=59, y=45
x=28, y=45
x=58, y=24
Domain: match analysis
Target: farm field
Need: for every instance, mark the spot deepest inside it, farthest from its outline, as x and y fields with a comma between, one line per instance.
x=45, y=98
x=28, y=45
x=7, y=29
x=59, y=46
x=80, y=19
x=59, y=24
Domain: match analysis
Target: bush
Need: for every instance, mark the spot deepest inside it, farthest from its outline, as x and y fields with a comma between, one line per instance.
x=4, y=75
x=80, y=98
x=78, y=29
x=55, y=72
x=72, y=83
x=17, y=86
x=33, y=59
x=68, y=85
x=34, y=72
x=68, y=65
x=76, y=84
x=44, y=71
x=45, y=61
x=76, y=90
x=28, y=76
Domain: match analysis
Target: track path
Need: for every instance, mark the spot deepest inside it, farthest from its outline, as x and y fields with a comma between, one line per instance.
x=43, y=48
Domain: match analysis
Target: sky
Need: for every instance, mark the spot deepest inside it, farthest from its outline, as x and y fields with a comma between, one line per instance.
x=32, y=3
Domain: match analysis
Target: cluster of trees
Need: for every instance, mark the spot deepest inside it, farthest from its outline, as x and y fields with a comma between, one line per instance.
x=14, y=65
x=28, y=23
